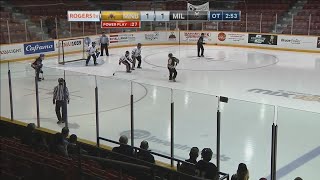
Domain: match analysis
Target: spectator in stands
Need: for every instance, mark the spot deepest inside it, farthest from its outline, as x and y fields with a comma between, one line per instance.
x=65, y=134
x=242, y=173
x=189, y=168
x=40, y=142
x=206, y=169
x=59, y=147
x=145, y=154
x=124, y=148
x=28, y=137
x=73, y=147
x=298, y=178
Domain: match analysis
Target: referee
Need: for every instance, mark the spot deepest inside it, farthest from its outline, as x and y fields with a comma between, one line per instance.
x=104, y=43
x=60, y=98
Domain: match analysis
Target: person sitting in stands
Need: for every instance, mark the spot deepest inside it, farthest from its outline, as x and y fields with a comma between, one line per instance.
x=39, y=142
x=189, y=168
x=145, y=154
x=242, y=173
x=65, y=134
x=206, y=169
x=28, y=137
x=124, y=148
x=73, y=147
x=60, y=147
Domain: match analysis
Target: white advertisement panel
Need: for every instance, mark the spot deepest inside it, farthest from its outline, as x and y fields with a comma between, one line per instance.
x=193, y=36
x=297, y=42
x=89, y=16
x=12, y=51
x=232, y=38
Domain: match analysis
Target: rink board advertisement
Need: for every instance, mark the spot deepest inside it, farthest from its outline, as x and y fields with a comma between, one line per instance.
x=298, y=42
x=38, y=47
x=189, y=36
x=263, y=39
x=232, y=38
x=22, y=51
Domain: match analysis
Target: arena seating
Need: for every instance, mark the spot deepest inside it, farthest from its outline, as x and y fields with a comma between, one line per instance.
x=252, y=11
x=19, y=161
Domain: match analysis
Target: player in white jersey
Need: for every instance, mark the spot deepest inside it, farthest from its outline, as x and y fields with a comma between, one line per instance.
x=92, y=52
x=136, y=55
x=126, y=60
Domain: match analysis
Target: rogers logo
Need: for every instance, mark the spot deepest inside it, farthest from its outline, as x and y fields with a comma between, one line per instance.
x=222, y=36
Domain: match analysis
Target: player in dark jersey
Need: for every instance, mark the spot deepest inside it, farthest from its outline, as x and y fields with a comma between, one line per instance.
x=200, y=44
x=172, y=63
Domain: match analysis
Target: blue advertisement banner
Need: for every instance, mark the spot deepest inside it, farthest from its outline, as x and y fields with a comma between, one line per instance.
x=38, y=47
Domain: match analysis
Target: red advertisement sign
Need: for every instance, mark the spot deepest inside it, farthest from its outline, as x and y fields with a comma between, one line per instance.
x=120, y=24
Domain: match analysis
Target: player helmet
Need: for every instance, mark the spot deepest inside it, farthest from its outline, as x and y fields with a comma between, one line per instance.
x=41, y=55
x=60, y=80
x=127, y=53
x=93, y=43
x=139, y=45
x=170, y=55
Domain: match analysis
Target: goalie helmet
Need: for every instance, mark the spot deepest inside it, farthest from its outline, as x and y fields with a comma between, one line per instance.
x=127, y=53
x=170, y=55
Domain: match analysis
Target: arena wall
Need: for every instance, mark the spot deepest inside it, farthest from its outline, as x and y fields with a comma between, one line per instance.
x=30, y=50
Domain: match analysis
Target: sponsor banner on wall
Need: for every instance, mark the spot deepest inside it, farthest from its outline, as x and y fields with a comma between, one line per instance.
x=122, y=38
x=194, y=36
x=236, y=38
x=296, y=41
x=71, y=45
x=172, y=36
x=38, y=47
x=318, y=42
x=93, y=16
x=262, y=39
x=11, y=51
x=152, y=36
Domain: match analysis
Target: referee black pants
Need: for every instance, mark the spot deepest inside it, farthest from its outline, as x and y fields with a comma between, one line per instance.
x=135, y=59
x=200, y=47
x=172, y=73
x=61, y=106
x=104, y=47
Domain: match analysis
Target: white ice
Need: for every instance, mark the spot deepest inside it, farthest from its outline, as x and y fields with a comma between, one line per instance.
x=224, y=71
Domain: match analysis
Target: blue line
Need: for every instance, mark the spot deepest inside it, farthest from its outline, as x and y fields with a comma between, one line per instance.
x=287, y=169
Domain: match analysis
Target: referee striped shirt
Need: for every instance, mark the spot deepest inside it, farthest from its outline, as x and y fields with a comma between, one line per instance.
x=58, y=94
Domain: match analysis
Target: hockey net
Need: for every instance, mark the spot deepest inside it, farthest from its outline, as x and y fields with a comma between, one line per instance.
x=71, y=50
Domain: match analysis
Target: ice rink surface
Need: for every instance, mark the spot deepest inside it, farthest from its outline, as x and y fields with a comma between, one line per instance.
x=260, y=84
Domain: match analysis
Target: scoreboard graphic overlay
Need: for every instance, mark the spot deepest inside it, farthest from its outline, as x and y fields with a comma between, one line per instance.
x=133, y=19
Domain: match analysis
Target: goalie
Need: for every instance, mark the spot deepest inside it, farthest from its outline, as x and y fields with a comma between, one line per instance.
x=37, y=66
x=126, y=60
x=92, y=52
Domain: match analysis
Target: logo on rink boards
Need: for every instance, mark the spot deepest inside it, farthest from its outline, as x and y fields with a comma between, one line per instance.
x=222, y=36
x=263, y=39
x=39, y=47
x=151, y=37
x=121, y=38
x=172, y=36
x=10, y=51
